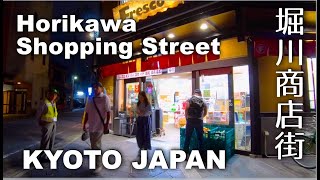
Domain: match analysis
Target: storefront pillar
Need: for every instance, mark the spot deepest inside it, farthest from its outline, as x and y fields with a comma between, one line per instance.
x=195, y=80
x=306, y=103
x=256, y=134
x=115, y=97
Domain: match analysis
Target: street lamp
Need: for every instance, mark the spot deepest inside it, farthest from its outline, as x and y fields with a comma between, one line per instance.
x=73, y=79
x=92, y=36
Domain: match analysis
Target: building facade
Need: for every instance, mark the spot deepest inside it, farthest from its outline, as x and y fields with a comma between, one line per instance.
x=239, y=85
x=26, y=78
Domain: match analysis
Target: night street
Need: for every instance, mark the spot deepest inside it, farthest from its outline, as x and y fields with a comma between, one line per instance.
x=25, y=134
x=22, y=134
x=164, y=89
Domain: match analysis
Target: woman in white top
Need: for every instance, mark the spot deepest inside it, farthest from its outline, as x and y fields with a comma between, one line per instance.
x=143, y=122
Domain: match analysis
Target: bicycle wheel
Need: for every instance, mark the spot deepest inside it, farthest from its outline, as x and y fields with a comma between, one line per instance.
x=309, y=145
x=308, y=160
x=308, y=164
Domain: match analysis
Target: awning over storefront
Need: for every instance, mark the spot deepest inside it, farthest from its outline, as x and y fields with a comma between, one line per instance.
x=224, y=20
x=270, y=47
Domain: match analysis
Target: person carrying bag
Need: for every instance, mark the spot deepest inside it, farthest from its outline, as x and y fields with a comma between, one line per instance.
x=97, y=112
x=144, y=112
x=105, y=125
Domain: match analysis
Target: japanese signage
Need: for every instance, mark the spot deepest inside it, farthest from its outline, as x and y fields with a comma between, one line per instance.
x=145, y=73
x=290, y=82
x=139, y=10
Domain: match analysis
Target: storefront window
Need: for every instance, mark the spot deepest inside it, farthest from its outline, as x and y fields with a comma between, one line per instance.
x=215, y=91
x=312, y=82
x=132, y=91
x=170, y=92
x=242, y=108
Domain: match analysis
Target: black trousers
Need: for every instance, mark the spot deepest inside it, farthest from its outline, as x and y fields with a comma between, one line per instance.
x=144, y=132
x=192, y=124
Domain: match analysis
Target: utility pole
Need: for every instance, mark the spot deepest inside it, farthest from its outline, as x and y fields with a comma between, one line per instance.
x=72, y=92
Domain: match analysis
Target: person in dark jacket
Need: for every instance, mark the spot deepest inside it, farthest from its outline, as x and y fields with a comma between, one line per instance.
x=143, y=122
x=195, y=110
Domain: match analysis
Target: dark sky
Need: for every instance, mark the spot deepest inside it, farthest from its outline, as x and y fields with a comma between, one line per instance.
x=75, y=66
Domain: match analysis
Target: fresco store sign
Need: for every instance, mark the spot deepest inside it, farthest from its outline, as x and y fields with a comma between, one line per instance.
x=140, y=10
x=146, y=73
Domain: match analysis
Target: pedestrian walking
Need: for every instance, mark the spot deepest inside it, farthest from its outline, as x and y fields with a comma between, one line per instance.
x=144, y=112
x=47, y=116
x=97, y=115
x=195, y=110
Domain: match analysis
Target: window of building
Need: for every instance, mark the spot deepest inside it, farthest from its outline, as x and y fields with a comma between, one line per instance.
x=312, y=82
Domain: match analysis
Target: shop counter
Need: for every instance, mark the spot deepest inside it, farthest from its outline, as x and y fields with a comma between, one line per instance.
x=215, y=137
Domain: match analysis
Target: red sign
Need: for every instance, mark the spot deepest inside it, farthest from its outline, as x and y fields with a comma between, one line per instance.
x=136, y=88
x=270, y=47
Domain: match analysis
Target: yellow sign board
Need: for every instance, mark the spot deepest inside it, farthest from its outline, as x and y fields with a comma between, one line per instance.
x=141, y=9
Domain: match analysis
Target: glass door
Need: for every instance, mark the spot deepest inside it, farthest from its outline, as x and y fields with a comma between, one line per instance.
x=216, y=87
x=227, y=93
x=242, y=108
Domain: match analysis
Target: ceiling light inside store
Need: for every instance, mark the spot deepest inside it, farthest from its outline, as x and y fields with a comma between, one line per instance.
x=204, y=26
x=18, y=82
x=171, y=35
x=175, y=76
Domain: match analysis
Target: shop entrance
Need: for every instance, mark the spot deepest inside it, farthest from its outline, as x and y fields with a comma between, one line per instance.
x=217, y=91
x=169, y=92
x=15, y=102
x=227, y=93
x=225, y=90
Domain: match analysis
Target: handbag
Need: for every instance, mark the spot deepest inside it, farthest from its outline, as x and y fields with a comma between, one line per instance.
x=105, y=125
x=85, y=136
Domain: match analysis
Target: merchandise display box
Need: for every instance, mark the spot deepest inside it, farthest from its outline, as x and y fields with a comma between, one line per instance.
x=216, y=137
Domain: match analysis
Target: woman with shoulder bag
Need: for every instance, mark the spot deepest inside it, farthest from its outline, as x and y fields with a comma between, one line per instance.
x=143, y=122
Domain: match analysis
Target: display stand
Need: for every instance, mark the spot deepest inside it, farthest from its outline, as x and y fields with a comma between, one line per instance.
x=131, y=126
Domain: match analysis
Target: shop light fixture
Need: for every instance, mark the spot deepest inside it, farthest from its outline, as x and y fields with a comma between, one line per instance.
x=204, y=26
x=171, y=35
x=175, y=76
x=18, y=82
x=137, y=53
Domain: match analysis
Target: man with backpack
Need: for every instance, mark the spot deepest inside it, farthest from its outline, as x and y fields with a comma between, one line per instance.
x=196, y=110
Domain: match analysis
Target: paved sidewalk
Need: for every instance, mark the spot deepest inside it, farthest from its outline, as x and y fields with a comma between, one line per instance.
x=237, y=166
x=16, y=116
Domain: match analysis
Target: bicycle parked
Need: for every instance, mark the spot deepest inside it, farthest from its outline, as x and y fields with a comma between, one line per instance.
x=308, y=160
